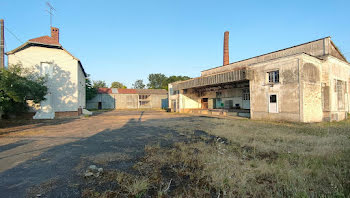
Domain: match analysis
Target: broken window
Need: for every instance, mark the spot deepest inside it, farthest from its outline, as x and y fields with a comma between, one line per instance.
x=274, y=76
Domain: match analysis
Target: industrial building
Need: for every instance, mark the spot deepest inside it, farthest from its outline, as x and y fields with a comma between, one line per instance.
x=304, y=83
x=113, y=98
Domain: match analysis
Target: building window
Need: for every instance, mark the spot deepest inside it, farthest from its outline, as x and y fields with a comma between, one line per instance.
x=273, y=99
x=274, y=76
x=185, y=91
x=340, y=89
x=246, y=94
x=218, y=94
x=143, y=97
x=144, y=103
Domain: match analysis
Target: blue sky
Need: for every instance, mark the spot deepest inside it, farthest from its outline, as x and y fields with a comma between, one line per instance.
x=127, y=40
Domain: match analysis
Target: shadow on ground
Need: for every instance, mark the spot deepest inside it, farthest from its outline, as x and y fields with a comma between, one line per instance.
x=59, y=171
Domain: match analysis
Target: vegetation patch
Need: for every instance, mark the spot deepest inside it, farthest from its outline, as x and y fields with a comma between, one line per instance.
x=242, y=158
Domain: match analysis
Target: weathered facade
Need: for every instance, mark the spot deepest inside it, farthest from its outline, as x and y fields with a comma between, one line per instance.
x=65, y=75
x=112, y=98
x=305, y=83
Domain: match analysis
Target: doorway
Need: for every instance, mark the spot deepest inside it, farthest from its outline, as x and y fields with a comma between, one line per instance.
x=246, y=98
x=273, y=103
x=99, y=105
x=204, y=103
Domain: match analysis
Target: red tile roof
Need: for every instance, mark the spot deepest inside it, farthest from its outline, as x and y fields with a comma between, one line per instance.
x=127, y=91
x=105, y=90
x=45, y=40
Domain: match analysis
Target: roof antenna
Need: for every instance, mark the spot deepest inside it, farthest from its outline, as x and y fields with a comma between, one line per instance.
x=50, y=12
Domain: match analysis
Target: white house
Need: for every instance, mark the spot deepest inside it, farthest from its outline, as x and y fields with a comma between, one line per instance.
x=66, y=75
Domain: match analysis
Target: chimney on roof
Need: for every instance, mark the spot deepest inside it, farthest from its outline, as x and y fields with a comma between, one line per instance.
x=226, y=55
x=55, y=34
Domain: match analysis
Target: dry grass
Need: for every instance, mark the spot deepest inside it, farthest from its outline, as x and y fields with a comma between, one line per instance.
x=244, y=158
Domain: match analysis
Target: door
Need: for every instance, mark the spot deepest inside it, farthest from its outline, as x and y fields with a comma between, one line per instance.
x=246, y=98
x=99, y=105
x=173, y=105
x=204, y=103
x=273, y=104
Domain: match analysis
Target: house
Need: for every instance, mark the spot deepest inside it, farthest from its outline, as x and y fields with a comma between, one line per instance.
x=65, y=74
x=304, y=83
x=113, y=98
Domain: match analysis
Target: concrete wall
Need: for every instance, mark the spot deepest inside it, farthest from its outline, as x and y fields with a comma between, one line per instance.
x=310, y=82
x=156, y=100
x=63, y=83
x=125, y=101
x=336, y=70
x=287, y=90
x=316, y=48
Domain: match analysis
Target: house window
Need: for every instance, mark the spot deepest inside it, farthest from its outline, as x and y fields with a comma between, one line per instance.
x=274, y=76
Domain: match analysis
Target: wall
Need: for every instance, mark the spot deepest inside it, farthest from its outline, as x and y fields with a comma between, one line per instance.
x=310, y=82
x=81, y=88
x=126, y=101
x=337, y=70
x=156, y=100
x=315, y=48
x=64, y=80
x=287, y=90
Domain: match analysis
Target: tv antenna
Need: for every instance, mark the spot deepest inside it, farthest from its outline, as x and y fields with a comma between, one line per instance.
x=51, y=8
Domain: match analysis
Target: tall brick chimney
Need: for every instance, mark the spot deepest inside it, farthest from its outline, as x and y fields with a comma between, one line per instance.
x=55, y=34
x=226, y=54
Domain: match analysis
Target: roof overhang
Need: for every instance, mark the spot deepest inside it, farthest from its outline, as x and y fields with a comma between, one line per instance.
x=237, y=75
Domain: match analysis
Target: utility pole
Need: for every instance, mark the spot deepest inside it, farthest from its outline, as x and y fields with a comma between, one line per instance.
x=50, y=12
x=2, y=45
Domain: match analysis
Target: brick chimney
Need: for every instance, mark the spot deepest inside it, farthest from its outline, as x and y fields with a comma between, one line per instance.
x=55, y=34
x=226, y=55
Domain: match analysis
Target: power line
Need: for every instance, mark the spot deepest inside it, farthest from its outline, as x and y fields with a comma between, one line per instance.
x=13, y=35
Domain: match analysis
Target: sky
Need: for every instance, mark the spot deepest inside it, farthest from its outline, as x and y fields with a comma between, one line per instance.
x=127, y=40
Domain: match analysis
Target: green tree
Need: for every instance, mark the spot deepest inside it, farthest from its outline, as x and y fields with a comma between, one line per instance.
x=157, y=81
x=172, y=79
x=99, y=84
x=138, y=84
x=18, y=85
x=118, y=85
x=91, y=91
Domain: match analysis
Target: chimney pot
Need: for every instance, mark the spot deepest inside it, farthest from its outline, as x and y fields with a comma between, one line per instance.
x=55, y=34
x=226, y=53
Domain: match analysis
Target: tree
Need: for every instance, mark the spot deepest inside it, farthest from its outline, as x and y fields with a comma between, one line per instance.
x=18, y=85
x=157, y=81
x=138, y=84
x=99, y=84
x=172, y=79
x=118, y=85
x=91, y=91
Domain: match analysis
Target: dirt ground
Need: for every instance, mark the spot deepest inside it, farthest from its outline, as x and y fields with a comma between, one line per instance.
x=159, y=154
x=52, y=155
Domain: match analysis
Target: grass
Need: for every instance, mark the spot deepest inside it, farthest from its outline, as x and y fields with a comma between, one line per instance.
x=243, y=158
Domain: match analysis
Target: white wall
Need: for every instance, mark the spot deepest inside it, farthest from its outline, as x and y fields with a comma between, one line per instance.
x=64, y=82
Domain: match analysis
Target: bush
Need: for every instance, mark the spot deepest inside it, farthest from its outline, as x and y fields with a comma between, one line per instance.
x=17, y=85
